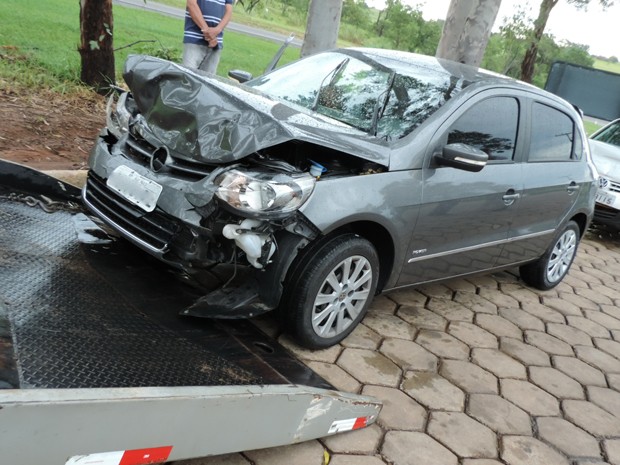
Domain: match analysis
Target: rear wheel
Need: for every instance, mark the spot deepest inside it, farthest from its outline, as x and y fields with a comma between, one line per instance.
x=331, y=291
x=550, y=269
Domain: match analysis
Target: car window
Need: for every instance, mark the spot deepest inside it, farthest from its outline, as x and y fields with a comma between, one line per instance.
x=361, y=92
x=491, y=126
x=552, y=134
x=333, y=84
x=412, y=99
x=610, y=135
x=351, y=94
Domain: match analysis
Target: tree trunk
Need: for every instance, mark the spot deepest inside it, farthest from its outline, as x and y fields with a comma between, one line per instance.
x=379, y=24
x=96, y=49
x=529, y=61
x=323, y=25
x=467, y=29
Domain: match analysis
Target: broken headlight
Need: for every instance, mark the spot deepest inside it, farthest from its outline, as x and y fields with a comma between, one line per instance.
x=117, y=115
x=258, y=192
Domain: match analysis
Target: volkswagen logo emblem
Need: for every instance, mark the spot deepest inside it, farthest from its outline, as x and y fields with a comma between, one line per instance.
x=603, y=183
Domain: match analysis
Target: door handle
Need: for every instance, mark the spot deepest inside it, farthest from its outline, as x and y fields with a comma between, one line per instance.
x=510, y=197
x=572, y=188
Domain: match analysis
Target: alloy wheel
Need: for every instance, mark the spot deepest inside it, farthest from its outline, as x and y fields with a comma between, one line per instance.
x=342, y=296
x=561, y=256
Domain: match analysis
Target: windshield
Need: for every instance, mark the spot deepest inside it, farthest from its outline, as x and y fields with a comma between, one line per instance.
x=360, y=92
x=610, y=135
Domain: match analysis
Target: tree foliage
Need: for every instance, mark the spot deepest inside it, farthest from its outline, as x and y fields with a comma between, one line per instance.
x=531, y=55
x=248, y=5
x=405, y=29
x=356, y=12
x=507, y=49
x=299, y=5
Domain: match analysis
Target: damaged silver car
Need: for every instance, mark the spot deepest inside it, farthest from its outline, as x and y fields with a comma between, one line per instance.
x=342, y=175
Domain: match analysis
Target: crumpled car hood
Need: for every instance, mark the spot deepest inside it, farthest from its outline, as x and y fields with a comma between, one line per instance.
x=213, y=121
x=606, y=158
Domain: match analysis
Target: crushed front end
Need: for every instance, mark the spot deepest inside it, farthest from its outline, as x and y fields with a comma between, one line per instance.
x=200, y=171
x=154, y=180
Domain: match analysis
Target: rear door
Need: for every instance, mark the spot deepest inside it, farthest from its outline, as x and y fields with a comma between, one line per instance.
x=465, y=217
x=554, y=173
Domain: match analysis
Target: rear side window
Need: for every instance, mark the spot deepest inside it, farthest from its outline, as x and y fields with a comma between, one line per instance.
x=491, y=126
x=552, y=135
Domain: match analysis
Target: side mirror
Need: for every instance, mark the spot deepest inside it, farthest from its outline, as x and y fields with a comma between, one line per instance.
x=463, y=157
x=240, y=75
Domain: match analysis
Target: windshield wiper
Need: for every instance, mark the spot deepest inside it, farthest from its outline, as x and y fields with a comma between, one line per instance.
x=333, y=73
x=380, y=105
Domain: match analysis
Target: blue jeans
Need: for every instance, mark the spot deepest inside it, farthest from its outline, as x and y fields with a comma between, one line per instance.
x=201, y=57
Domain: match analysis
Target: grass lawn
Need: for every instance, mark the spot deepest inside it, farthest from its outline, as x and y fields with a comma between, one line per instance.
x=45, y=52
x=607, y=66
x=591, y=127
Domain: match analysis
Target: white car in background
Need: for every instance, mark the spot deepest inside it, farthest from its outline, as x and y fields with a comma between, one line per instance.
x=605, y=146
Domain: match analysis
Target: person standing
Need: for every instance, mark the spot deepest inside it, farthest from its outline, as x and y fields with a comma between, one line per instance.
x=203, y=39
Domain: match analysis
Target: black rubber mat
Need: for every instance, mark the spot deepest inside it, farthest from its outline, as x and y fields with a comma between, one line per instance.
x=88, y=310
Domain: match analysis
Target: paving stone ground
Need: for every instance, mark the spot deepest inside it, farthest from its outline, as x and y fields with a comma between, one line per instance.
x=479, y=371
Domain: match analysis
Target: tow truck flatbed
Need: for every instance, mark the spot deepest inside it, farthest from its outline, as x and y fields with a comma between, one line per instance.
x=96, y=364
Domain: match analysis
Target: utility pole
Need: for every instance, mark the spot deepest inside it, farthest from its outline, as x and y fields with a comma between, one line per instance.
x=322, y=27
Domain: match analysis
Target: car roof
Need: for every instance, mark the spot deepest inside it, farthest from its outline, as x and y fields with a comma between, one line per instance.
x=402, y=62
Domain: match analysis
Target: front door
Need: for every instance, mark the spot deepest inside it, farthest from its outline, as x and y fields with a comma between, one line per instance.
x=465, y=217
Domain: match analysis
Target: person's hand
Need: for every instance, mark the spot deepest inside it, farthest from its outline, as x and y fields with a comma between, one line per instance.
x=210, y=36
x=209, y=33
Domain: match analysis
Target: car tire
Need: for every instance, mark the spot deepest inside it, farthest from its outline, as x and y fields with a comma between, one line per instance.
x=549, y=270
x=321, y=304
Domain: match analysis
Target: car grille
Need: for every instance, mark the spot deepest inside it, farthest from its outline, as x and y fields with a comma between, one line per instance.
x=154, y=228
x=613, y=186
x=142, y=151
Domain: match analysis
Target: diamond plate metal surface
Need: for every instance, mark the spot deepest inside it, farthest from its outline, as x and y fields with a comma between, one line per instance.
x=72, y=328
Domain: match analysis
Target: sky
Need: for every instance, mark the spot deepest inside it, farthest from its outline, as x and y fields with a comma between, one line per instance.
x=597, y=28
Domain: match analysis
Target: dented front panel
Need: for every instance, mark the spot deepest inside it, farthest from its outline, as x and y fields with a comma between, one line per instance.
x=214, y=121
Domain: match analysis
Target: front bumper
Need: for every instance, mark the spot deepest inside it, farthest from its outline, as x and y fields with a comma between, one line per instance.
x=152, y=232
x=607, y=215
x=172, y=232
x=607, y=207
x=187, y=236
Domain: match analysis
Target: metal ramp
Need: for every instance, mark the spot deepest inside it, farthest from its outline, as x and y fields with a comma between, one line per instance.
x=95, y=361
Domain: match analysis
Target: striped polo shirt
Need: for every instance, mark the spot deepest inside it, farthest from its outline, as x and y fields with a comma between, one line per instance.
x=212, y=12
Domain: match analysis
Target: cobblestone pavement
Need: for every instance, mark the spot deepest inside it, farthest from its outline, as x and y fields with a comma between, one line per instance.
x=479, y=371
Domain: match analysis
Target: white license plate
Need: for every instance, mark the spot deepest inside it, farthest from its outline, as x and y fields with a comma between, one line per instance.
x=139, y=190
x=605, y=199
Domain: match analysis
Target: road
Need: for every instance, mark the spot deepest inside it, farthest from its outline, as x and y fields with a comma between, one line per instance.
x=232, y=26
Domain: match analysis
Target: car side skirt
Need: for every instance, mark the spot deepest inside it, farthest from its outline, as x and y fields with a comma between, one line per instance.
x=482, y=246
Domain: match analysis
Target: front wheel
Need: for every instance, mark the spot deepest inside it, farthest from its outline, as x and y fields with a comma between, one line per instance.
x=550, y=269
x=331, y=291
